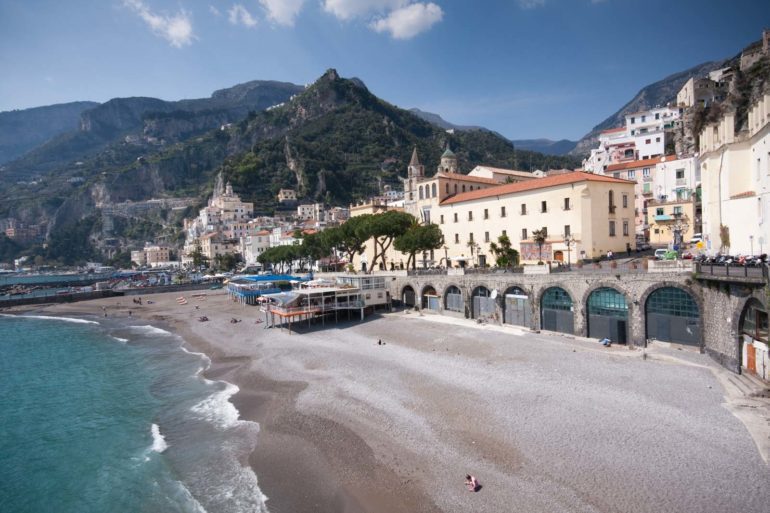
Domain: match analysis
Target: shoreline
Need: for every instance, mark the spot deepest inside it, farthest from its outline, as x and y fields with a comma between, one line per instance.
x=349, y=426
x=296, y=471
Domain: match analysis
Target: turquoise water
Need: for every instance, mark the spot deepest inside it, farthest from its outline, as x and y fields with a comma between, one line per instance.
x=103, y=417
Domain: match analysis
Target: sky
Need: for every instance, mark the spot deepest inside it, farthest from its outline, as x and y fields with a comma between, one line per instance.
x=525, y=68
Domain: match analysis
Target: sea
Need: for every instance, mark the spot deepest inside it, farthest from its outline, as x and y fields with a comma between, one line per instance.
x=99, y=416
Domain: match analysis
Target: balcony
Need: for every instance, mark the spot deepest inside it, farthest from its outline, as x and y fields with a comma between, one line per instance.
x=646, y=178
x=732, y=273
x=612, y=209
x=681, y=181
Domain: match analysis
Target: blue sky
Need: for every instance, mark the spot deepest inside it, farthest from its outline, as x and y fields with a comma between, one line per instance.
x=526, y=68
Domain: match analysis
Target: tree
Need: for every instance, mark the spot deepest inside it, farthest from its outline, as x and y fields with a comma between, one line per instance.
x=314, y=247
x=417, y=239
x=198, y=258
x=383, y=228
x=724, y=237
x=352, y=236
x=505, y=255
x=227, y=262
x=538, y=236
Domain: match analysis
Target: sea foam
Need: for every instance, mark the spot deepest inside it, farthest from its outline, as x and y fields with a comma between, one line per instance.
x=146, y=328
x=158, y=442
x=218, y=409
x=52, y=318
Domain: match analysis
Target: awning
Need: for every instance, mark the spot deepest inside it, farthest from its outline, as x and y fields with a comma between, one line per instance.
x=664, y=218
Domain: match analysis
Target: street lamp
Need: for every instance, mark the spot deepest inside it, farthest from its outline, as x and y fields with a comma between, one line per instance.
x=446, y=256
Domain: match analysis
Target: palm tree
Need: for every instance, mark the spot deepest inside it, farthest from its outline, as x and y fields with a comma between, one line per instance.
x=538, y=236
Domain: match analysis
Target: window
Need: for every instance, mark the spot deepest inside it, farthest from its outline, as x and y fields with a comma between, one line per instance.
x=543, y=206
x=486, y=213
x=470, y=237
x=612, y=228
x=625, y=201
x=442, y=218
x=455, y=188
x=470, y=215
x=446, y=188
x=612, y=202
x=633, y=120
x=758, y=168
x=616, y=175
x=679, y=174
x=567, y=231
x=502, y=211
x=523, y=209
x=646, y=172
x=647, y=141
x=421, y=192
x=659, y=211
x=566, y=203
x=631, y=174
x=646, y=189
x=657, y=139
x=455, y=217
x=523, y=234
x=657, y=115
x=677, y=211
x=470, y=188
x=625, y=228
x=433, y=189
x=644, y=118
x=505, y=233
x=463, y=187
x=457, y=238
x=545, y=231
x=486, y=236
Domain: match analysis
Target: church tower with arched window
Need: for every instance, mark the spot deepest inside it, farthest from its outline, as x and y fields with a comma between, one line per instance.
x=448, y=161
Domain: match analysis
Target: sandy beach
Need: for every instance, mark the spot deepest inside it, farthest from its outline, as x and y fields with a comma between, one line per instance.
x=547, y=423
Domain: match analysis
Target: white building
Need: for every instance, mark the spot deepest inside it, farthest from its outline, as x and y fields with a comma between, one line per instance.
x=254, y=245
x=735, y=172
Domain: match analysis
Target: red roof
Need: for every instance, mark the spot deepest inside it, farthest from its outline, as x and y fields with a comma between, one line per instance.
x=635, y=164
x=539, y=183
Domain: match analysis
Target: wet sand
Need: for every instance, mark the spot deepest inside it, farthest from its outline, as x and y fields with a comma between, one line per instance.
x=547, y=423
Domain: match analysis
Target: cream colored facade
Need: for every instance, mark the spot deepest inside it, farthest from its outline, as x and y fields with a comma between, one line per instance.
x=665, y=218
x=585, y=206
x=501, y=175
x=735, y=173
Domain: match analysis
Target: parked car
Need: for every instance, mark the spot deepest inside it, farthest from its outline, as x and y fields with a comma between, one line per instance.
x=660, y=254
x=687, y=255
x=643, y=247
x=696, y=238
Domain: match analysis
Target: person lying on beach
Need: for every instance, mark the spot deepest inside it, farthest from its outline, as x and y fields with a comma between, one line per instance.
x=472, y=483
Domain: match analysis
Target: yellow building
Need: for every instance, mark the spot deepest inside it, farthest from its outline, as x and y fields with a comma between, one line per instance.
x=666, y=219
x=583, y=215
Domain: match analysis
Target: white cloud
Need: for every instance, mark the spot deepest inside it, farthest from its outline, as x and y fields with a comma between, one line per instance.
x=213, y=10
x=282, y=12
x=176, y=29
x=349, y=9
x=238, y=15
x=408, y=21
x=531, y=4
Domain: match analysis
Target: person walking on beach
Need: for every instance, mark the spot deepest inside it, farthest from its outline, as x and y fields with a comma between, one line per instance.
x=472, y=483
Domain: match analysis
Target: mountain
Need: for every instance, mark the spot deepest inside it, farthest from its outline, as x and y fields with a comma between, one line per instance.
x=657, y=94
x=23, y=130
x=440, y=122
x=546, y=146
x=333, y=142
x=147, y=123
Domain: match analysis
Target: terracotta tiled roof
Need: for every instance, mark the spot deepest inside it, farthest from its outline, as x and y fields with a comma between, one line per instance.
x=466, y=178
x=635, y=164
x=614, y=130
x=540, y=183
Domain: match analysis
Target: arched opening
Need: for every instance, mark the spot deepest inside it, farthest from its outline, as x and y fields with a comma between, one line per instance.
x=671, y=315
x=608, y=315
x=420, y=192
x=408, y=296
x=429, y=299
x=463, y=187
x=455, y=188
x=753, y=327
x=433, y=189
x=483, y=304
x=453, y=300
x=556, y=311
x=517, y=307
